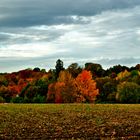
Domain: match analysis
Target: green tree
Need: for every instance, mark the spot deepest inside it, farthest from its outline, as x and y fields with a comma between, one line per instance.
x=74, y=69
x=128, y=92
x=107, y=87
x=96, y=69
x=134, y=73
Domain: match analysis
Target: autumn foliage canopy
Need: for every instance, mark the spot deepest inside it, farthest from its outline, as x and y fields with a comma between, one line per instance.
x=68, y=89
x=118, y=84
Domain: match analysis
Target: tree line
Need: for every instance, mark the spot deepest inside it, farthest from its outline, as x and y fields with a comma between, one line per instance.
x=74, y=84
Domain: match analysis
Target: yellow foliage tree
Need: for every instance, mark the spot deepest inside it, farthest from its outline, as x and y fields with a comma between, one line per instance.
x=69, y=90
x=122, y=75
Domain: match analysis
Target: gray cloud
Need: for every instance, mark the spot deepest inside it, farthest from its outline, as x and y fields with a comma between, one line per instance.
x=37, y=33
x=4, y=37
x=25, y=13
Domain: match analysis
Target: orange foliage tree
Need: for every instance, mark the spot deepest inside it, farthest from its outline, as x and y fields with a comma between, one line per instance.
x=64, y=90
x=86, y=86
x=54, y=92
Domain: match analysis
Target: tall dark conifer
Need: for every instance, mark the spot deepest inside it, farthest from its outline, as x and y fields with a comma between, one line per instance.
x=59, y=67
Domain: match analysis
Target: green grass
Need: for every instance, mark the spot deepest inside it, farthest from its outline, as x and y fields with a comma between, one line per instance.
x=69, y=121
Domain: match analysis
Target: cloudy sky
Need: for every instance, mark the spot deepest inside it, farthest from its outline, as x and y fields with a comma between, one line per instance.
x=35, y=33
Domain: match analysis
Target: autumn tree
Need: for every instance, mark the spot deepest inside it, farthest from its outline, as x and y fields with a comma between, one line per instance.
x=51, y=93
x=3, y=80
x=21, y=85
x=86, y=86
x=64, y=90
x=5, y=93
x=54, y=92
x=123, y=75
x=137, y=67
x=69, y=89
x=23, y=74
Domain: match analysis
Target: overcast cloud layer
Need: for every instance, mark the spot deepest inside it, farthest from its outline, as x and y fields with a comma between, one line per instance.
x=35, y=33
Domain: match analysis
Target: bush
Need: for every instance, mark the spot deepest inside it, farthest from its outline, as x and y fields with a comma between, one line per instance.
x=26, y=100
x=2, y=100
x=111, y=98
x=128, y=92
x=17, y=100
x=39, y=99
